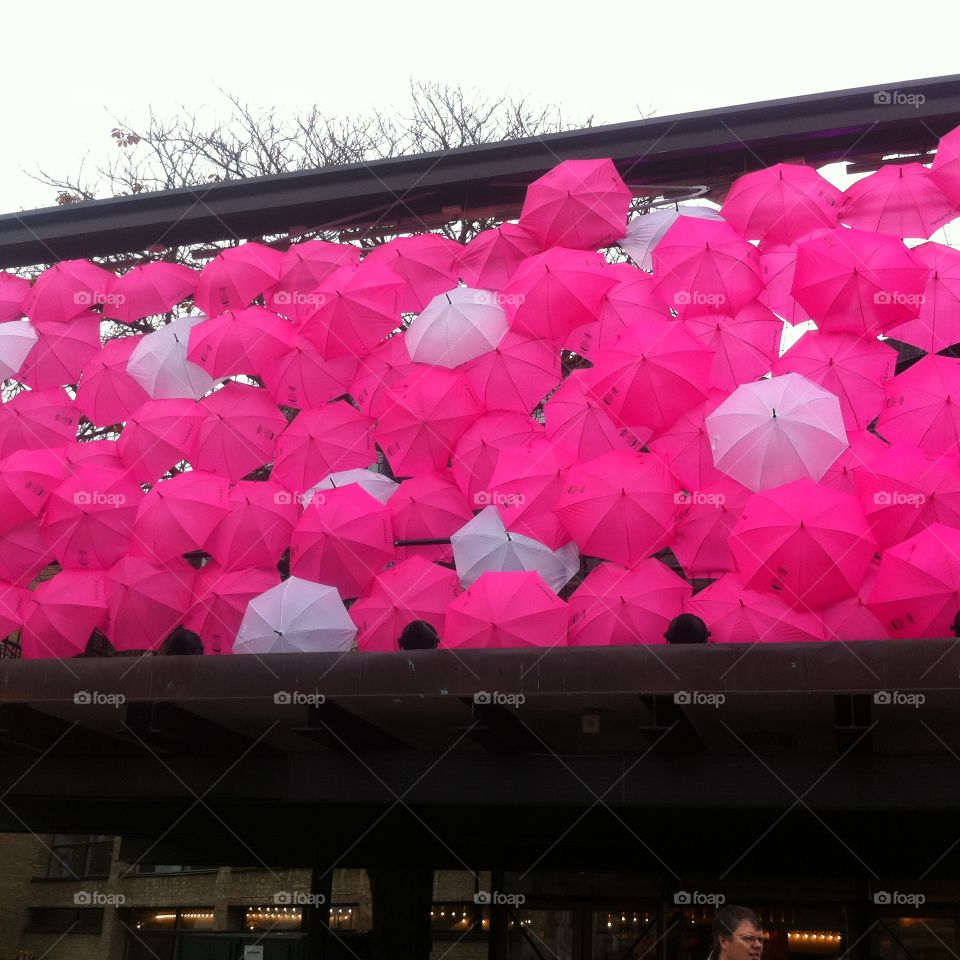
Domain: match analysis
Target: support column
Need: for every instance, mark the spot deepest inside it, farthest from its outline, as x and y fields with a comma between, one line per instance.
x=497, y=942
x=316, y=914
x=402, y=897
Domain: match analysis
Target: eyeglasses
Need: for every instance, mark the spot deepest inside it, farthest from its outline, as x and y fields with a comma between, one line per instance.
x=750, y=940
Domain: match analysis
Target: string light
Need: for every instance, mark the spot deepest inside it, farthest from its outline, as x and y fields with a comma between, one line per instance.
x=814, y=936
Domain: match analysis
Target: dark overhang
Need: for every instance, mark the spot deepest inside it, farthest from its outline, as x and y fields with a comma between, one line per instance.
x=705, y=147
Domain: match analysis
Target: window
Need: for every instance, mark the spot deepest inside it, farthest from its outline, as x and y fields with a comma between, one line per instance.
x=73, y=856
x=172, y=918
x=63, y=920
x=162, y=869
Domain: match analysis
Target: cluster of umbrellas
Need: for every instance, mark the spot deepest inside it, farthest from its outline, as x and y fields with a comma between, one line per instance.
x=398, y=435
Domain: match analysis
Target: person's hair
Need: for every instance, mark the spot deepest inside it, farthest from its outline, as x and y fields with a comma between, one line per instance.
x=727, y=919
x=418, y=635
x=687, y=628
x=182, y=642
x=956, y=625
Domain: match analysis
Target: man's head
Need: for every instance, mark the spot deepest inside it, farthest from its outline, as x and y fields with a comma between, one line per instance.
x=737, y=934
x=686, y=628
x=418, y=635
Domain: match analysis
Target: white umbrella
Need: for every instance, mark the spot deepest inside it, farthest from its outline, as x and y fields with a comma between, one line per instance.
x=771, y=432
x=17, y=338
x=457, y=326
x=159, y=363
x=296, y=616
x=484, y=543
x=646, y=231
x=376, y=484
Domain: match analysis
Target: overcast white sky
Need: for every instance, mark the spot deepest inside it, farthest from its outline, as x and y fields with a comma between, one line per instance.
x=69, y=67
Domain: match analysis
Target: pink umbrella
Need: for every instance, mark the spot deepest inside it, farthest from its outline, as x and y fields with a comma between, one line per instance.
x=851, y=367
x=777, y=266
x=859, y=282
x=321, y=441
x=236, y=276
x=301, y=377
x=744, y=344
x=922, y=406
x=258, y=527
x=945, y=169
x=24, y=553
x=219, y=601
x=476, y=452
x=735, y=614
x=13, y=293
x=240, y=341
x=554, y=292
x=60, y=353
x=357, y=308
x=66, y=290
x=701, y=265
x=146, y=602
x=899, y=198
x=37, y=420
x=240, y=431
x=427, y=263
x=88, y=522
x=937, y=326
x=304, y=267
x=99, y=452
x=577, y=421
x=384, y=367
x=148, y=290
x=428, y=507
x=782, y=203
x=413, y=589
x=842, y=473
x=705, y=520
x=507, y=609
x=614, y=606
x=106, y=393
x=620, y=506
x=27, y=478
x=581, y=204
x=808, y=544
x=159, y=435
x=178, y=515
x=12, y=607
x=852, y=618
x=343, y=539
x=61, y=613
x=917, y=591
x=516, y=374
x=423, y=418
x=656, y=372
x=687, y=446
x=492, y=257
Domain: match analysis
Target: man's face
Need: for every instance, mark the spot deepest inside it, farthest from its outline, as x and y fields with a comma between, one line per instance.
x=745, y=944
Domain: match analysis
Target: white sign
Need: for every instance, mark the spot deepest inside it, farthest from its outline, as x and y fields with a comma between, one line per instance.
x=253, y=952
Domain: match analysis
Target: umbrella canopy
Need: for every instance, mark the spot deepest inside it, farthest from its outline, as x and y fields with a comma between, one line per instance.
x=899, y=198
x=37, y=420
x=178, y=515
x=24, y=553
x=615, y=606
x=89, y=518
x=620, y=506
x=808, y=544
x=27, y=478
x=303, y=268
x=12, y=607
x=516, y=375
x=484, y=544
x=13, y=293
x=509, y=609
x=922, y=406
x=321, y=441
x=296, y=616
x=100, y=451
x=772, y=432
x=17, y=340
x=240, y=341
x=687, y=446
x=146, y=602
x=384, y=367
x=66, y=290
x=239, y=432
x=456, y=326
x=917, y=591
x=149, y=289
x=159, y=363
x=301, y=377
x=427, y=263
x=705, y=520
x=428, y=507
x=60, y=614
x=257, y=528
x=60, y=353
x=645, y=232
x=852, y=368
x=220, y=599
x=492, y=257
x=841, y=474
x=852, y=618
x=343, y=538
x=413, y=589
x=159, y=435
x=945, y=169
x=379, y=487
x=422, y=419
x=735, y=614
x=236, y=277
x=106, y=393
x=782, y=203
x=778, y=263
x=581, y=204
